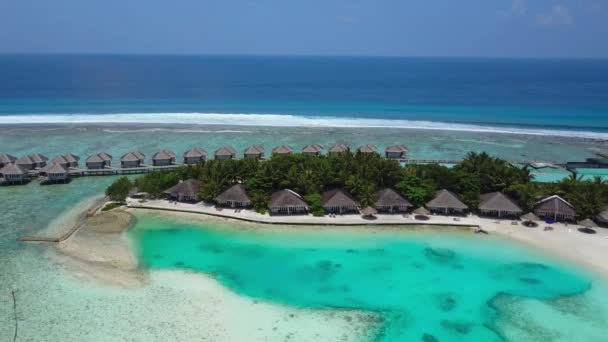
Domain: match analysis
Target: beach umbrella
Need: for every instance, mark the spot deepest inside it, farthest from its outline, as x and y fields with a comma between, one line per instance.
x=587, y=224
x=368, y=212
x=422, y=211
x=530, y=217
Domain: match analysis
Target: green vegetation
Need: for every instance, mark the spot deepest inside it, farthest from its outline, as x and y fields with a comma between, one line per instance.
x=363, y=174
x=119, y=190
x=111, y=206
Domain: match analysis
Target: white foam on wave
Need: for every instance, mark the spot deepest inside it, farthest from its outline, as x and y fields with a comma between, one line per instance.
x=282, y=120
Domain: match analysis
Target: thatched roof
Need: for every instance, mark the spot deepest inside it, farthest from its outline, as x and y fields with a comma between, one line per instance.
x=132, y=156
x=195, y=153
x=446, y=199
x=557, y=205
x=12, y=169
x=38, y=158
x=283, y=149
x=188, y=188
x=25, y=160
x=314, y=148
x=163, y=155
x=6, y=158
x=60, y=160
x=368, y=211
x=236, y=193
x=54, y=168
x=497, y=201
x=396, y=149
x=587, y=223
x=368, y=149
x=254, y=150
x=99, y=158
x=72, y=158
x=225, y=151
x=529, y=217
x=287, y=198
x=338, y=148
x=389, y=197
x=422, y=211
x=105, y=156
x=338, y=198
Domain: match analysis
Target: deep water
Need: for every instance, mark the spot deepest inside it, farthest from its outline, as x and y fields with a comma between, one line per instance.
x=424, y=286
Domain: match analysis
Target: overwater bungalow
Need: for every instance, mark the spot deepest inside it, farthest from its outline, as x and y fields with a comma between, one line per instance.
x=396, y=152
x=283, y=149
x=185, y=191
x=446, y=202
x=163, y=158
x=39, y=160
x=66, y=160
x=313, y=150
x=555, y=208
x=234, y=197
x=61, y=160
x=254, y=152
x=338, y=148
x=132, y=159
x=225, y=153
x=287, y=202
x=26, y=162
x=368, y=149
x=98, y=161
x=389, y=201
x=6, y=159
x=13, y=174
x=499, y=205
x=54, y=172
x=194, y=156
x=339, y=201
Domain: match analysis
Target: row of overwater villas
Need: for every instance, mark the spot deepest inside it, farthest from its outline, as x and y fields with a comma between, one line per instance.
x=288, y=202
x=16, y=170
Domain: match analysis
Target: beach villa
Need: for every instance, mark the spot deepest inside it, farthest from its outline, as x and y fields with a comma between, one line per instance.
x=446, y=202
x=368, y=149
x=163, y=158
x=499, y=205
x=396, y=152
x=39, y=160
x=6, y=159
x=313, y=150
x=234, y=197
x=338, y=148
x=66, y=160
x=54, y=172
x=287, y=202
x=26, y=163
x=283, y=149
x=13, y=174
x=389, y=201
x=225, y=153
x=339, y=201
x=98, y=161
x=254, y=152
x=194, y=156
x=132, y=159
x=185, y=191
x=555, y=208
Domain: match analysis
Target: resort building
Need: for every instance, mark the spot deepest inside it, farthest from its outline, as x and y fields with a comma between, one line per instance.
x=194, y=156
x=225, y=153
x=446, y=202
x=339, y=201
x=396, y=152
x=12, y=173
x=26, y=163
x=338, y=148
x=132, y=159
x=66, y=160
x=556, y=208
x=287, y=202
x=54, y=173
x=163, y=158
x=283, y=149
x=499, y=205
x=61, y=161
x=39, y=160
x=185, y=191
x=234, y=197
x=6, y=159
x=98, y=161
x=368, y=149
x=313, y=150
x=389, y=201
x=254, y=152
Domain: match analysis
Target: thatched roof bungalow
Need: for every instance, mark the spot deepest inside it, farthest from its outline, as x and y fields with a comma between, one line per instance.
x=287, y=202
x=66, y=160
x=368, y=149
x=61, y=160
x=234, y=197
x=556, y=208
x=194, y=156
x=6, y=159
x=339, y=201
x=163, y=158
x=98, y=161
x=225, y=153
x=39, y=160
x=338, y=148
x=26, y=162
x=55, y=172
x=13, y=173
x=132, y=159
x=388, y=200
x=498, y=204
x=186, y=191
x=254, y=152
x=313, y=150
x=395, y=152
x=283, y=149
x=446, y=202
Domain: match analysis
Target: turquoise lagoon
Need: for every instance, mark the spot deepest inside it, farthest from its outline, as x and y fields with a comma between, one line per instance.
x=424, y=285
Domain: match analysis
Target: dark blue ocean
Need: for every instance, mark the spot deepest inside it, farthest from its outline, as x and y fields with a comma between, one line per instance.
x=546, y=94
